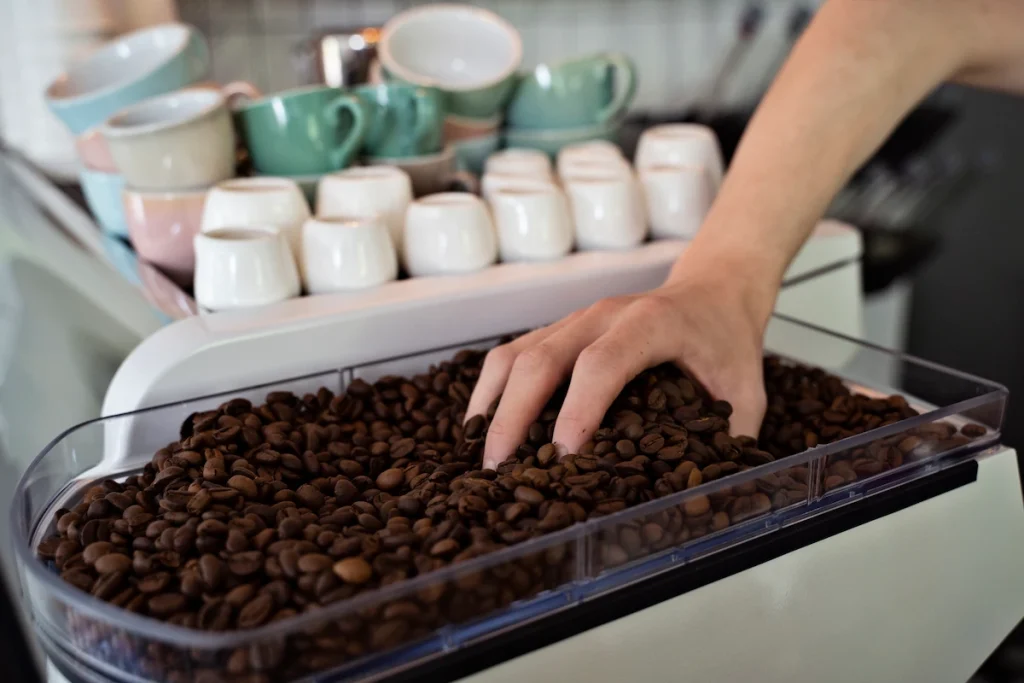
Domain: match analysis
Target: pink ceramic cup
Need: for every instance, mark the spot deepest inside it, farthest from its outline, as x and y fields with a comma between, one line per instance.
x=93, y=152
x=161, y=226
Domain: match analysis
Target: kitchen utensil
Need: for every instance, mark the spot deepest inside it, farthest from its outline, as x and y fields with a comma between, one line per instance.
x=338, y=57
x=681, y=144
x=750, y=23
x=103, y=197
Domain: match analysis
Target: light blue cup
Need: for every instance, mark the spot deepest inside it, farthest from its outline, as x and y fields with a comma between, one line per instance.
x=136, y=66
x=103, y=196
x=471, y=153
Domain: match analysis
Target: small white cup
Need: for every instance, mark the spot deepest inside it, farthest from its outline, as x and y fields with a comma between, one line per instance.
x=345, y=253
x=181, y=140
x=681, y=144
x=607, y=210
x=677, y=199
x=242, y=267
x=449, y=232
x=367, y=191
x=492, y=182
x=265, y=200
x=533, y=222
x=530, y=163
x=594, y=167
x=593, y=150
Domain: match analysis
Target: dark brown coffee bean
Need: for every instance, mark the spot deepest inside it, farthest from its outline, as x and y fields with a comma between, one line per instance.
x=652, y=443
x=389, y=480
x=211, y=570
x=244, y=485
x=166, y=604
x=245, y=564
x=256, y=612
x=354, y=570
x=310, y=496
x=314, y=563
x=973, y=431
x=528, y=495
x=112, y=562
x=92, y=553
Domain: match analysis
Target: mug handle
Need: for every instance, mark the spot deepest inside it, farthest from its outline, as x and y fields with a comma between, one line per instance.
x=624, y=97
x=346, y=147
x=427, y=114
x=240, y=90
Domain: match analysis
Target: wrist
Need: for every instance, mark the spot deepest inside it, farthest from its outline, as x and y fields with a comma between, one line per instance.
x=736, y=275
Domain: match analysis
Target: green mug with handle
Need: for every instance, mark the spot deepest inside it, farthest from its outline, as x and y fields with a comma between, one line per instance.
x=583, y=92
x=303, y=131
x=403, y=120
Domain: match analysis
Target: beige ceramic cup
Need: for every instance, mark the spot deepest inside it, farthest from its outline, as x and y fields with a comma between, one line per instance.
x=161, y=226
x=184, y=139
x=677, y=199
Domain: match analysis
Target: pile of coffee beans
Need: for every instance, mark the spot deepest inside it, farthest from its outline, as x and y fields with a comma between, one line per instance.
x=260, y=513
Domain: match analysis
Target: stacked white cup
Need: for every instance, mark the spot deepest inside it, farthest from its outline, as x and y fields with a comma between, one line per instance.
x=604, y=195
x=680, y=168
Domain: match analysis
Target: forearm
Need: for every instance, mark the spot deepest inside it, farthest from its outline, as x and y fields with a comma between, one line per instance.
x=857, y=71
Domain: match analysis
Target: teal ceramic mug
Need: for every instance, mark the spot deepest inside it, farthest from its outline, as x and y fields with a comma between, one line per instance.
x=583, y=92
x=402, y=120
x=302, y=131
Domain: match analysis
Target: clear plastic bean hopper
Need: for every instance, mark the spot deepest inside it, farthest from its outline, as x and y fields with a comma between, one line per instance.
x=891, y=554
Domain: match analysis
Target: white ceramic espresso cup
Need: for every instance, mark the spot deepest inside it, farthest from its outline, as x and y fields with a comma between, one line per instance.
x=607, y=211
x=176, y=141
x=681, y=144
x=533, y=222
x=451, y=232
x=345, y=253
x=241, y=267
x=241, y=202
x=677, y=199
x=367, y=191
x=594, y=167
x=529, y=163
x=592, y=151
x=492, y=182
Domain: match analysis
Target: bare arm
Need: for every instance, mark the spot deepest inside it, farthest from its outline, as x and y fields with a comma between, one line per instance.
x=858, y=69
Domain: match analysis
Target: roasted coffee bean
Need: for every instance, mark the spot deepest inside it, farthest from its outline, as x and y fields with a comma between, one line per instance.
x=243, y=485
x=112, y=562
x=354, y=570
x=256, y=612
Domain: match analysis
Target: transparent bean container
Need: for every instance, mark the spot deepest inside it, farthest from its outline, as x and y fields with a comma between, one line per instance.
x=399, y=625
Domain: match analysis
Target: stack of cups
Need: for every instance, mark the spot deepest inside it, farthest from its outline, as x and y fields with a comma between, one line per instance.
x=170, y=150
x=604, y=195
x=471, y=56
x=360, y=215
x=530, y=211
x=680, y=168
x=135, y=66
x=251, y=232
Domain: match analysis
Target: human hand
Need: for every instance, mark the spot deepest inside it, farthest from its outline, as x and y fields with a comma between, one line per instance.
x=707, y=320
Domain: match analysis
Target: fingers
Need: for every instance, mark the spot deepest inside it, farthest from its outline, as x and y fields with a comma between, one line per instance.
x=740, y=381
x=536, y=373
x=498, y=365
x=603, y=369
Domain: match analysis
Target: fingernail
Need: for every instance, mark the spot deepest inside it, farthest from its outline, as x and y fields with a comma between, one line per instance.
x=560, y=449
